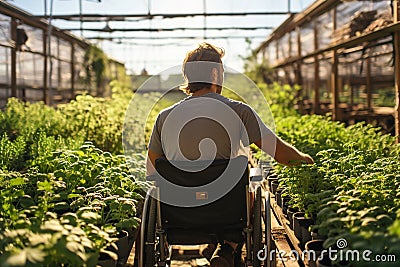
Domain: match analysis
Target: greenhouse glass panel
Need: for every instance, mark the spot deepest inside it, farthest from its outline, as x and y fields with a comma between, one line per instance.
x=278, y=51
x=65, y=50
x=30, y=69
x=324, y=76
x=53, y=69
x=265, y=54
x=355, y=77
x=283, y=48
x=325, y=29
x=382, y=58
x=5, y=67
x=307, y=72
x=291, y=44
x=79, y=54
x=272, y=53
x=344, y=71
x=25, y=68
x=307, y=39
x=35, y=39
x=382, y=69
x=5, y=24
x=287, y=75
x=65, y=75
x=54, y=46
x=307, y=69
x=79, y=82
x=5, y=75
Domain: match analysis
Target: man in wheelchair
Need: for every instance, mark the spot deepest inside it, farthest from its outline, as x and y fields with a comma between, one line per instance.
x=198, y=149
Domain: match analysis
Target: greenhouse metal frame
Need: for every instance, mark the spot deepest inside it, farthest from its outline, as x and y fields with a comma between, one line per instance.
x=38, y=66
x=345, y=55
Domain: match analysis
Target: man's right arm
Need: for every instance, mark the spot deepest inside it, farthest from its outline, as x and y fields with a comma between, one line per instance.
x=283, y=153
x=269, y=142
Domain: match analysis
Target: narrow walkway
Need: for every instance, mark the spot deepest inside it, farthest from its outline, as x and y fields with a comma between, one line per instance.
x=189, y=256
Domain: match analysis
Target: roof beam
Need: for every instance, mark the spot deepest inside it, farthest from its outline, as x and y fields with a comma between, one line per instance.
x=172, y=37
x=123, y=17
x=109, y=29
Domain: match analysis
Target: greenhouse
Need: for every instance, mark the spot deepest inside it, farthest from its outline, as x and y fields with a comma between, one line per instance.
x=42, y=63
x=199, y=133
x=344, y=56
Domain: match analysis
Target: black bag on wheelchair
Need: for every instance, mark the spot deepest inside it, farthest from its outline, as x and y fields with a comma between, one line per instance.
x=205, y=204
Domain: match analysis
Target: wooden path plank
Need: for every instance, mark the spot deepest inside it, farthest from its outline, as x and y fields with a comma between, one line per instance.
x=281, y=239
x=293, y=242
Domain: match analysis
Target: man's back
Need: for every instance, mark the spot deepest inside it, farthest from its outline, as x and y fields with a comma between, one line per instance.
x=206, y=127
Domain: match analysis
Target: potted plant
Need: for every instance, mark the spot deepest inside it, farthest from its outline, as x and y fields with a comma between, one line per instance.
x=314, y=248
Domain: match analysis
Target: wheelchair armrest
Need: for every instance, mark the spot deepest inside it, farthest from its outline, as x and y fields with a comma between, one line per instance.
x=256, y=175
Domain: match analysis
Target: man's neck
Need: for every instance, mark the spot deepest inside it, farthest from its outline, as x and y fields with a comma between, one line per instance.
x=203, y=92
x=212, y=89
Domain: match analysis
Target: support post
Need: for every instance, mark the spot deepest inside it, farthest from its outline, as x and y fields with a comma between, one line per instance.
x=14, y=58
x=368, y=83
x=45, y=69
x=334, y=86
x=72, y=70
x=349, y=84
x=298, y=76
x=316, y=106
x=396, y=40
x=334, y=75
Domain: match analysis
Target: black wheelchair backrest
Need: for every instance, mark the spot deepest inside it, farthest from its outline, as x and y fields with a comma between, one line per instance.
x=218, y=191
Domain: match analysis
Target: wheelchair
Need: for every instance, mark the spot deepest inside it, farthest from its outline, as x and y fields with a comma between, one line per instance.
x=204, y=216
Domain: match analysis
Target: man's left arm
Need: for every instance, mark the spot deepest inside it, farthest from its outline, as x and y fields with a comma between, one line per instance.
x=155, y=148
x=151, y=162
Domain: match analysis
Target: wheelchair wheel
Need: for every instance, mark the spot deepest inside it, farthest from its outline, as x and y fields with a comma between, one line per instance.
x=257, y=228
x=270, y=244
x=148, y=236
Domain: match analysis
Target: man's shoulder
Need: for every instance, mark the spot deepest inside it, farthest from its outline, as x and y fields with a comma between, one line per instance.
x=231, y=102
x=238, y=106
x=166, y=111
